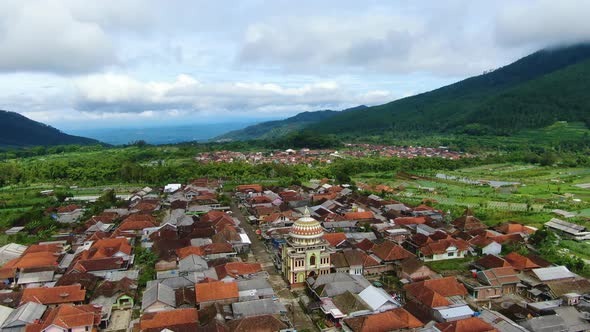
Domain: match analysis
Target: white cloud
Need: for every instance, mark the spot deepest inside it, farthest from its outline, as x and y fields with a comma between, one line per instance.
x=371, y=41
x=45, y=36
x=543, y=23
x=113, y=93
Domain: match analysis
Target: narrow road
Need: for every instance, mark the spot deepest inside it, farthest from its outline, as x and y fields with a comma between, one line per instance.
x=260, y=254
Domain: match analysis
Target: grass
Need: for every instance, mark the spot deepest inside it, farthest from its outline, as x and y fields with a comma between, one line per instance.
x=581, y=249
x=458, y=264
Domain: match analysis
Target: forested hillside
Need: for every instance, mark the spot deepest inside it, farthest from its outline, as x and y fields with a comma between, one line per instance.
x=19, y=131
x=279, y=128
x=533, y=92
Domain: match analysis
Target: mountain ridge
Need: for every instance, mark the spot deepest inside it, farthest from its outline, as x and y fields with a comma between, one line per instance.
x=279, y=128
x=16, y=130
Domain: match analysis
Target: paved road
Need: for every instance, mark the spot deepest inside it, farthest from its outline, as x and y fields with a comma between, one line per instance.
x=260, y=254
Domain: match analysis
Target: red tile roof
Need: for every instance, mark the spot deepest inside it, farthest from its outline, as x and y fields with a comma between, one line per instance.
x=433, y=292
x=236, y=269
x=249, y=187
x=520, y=262
x=491, y=261
x=107, y=248
x=263, y=323
x=364, y=215
x=54, y=295
x=441, y=246
x=389, y=251
x=396, y=319
x=169, y=318
x=409, y=220
x=137, y=222
x=68, y=316
x=191, y=250
x=216, y=291
x=334, y=238
x=513, y=227
x=365, y=245
x=472, y=324
x=35, y=259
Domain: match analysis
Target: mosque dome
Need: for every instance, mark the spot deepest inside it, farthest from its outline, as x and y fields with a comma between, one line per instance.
x=306, y=230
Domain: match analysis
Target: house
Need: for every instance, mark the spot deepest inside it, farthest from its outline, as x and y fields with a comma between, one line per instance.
x=554, y=273
x=254, y=289
x=520, y=262
x=249, y=188
x=437, y=299
x=192, y=263
x=54, y=296
x=568, y=229
x=258, y=308
x=437, y=250
x=120, y=294
x=349, y=304
x=413, y=269
x=11, y=251
x=135, y=224
x=512, y=227
x=472, y=324
x=485, y=245
x=158, y=297
x=334, y=239
x=393, y=320
x=333, y=284
x=263, y=323
x=235, y=270
x=378, y=300
x=489, y=262
x=208, y=293
x=492, y=283
x=27, y=313
x=67, y=318
x=389, y=253
x=468, y=222
x=178, y=320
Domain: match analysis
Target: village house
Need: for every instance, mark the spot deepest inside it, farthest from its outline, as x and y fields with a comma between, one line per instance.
x=54, y=296
x=68, y=318
x=437, y=299
x=392, y=320
x=208, y=293
x=178, y=320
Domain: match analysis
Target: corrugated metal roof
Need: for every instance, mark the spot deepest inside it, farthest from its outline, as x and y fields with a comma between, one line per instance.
x=26, y=313
x=257, y=307
x=460, y=311
x=158, y=293
x=553, y=273
x=377, y=297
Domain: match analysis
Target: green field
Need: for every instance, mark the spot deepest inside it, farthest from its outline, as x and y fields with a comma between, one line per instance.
x=541, y=190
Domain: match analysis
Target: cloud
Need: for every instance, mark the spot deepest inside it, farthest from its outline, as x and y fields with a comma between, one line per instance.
x=543, y=23
x=44, y=36
x=65, y=36
x=114, y=93
x=371, y=41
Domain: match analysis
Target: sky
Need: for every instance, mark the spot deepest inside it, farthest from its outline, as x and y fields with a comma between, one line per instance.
x=139, y=63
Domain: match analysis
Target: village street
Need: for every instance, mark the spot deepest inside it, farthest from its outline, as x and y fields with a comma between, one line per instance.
x=298, y=317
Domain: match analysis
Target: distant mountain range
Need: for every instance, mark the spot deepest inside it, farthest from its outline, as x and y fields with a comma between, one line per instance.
x=534, y=92
x=280, y=128
x=19, y=131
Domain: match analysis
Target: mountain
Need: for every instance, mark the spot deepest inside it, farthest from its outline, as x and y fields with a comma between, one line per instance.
x=279, y=128
x=19, y=131
x=534, y=92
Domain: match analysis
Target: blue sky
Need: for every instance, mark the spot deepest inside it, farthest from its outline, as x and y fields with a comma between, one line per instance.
x=131, y=63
